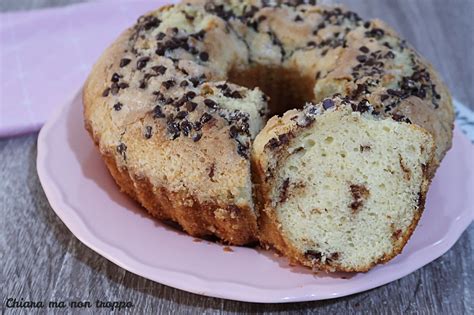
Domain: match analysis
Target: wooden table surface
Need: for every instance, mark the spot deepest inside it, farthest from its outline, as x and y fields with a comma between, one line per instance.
x=42, y=260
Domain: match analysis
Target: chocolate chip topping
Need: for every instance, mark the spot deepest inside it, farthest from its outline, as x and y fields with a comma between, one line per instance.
x=160, y=36
x=173, y=129
x=115, y=77
x=242, y=150
x=159, y=69
x=210, y=103
x=328, y=103
x=148, y=132
x=190, y=106
x=106, y=92
x=124, y=62
x=197, y=137
x=181, y=114
x=204, y=56
x=141, y=62
x=157, y=112
x=168, y=84
x=121, y=149
x=361, y=58
x=186, y=127
x=205, y=118
x=118, y=106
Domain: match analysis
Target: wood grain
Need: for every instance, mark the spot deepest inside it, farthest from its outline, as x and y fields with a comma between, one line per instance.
x=42, y=260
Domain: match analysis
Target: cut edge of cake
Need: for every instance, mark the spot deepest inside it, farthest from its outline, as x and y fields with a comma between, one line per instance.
x=341, y=188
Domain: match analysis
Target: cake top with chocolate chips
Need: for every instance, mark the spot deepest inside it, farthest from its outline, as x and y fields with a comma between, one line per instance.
x=170, y=79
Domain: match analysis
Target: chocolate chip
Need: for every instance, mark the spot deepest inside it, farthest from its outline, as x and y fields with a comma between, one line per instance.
x=362, y=107
x=235, y=94
x=173, y=129
x=157, y=112
x=361, y=58
x=186, y=127
x=124, y=62
x=242, y=150
x=141, y=63
x=148, y=132
x=376, y=33
x=180, y=102
x=191, y=106
x=233, y=132
x=197, y=125
x=333, y=256
x=199, y=35
x=394, y=92
x=400, y=118
x=284, y=139
x=318, y=75
x=190, y=95
x=328, y=103
x=181, y=114
x=313, y=255
x=118, y=106
x=384, y=97
x=152, y=23
x=204, y=56
x=121, y=149
x=364, y=49
x=284, y=190
x=123, y=85
x=222, y=86
x=298, y=18
x=143, y=84
x=159, y=69
x=197, y=137
x=184, y=83
x=390, y=55
x=205, y=118
x=195, y=81
x=114, y=88
x=115, y=77
x=160, y=50
x=168, y=84
x=386, y=44
x=210, y=103
x=160, y=36
x=106, y=92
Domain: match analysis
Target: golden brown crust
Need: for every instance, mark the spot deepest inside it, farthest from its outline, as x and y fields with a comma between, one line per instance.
x=235, y=225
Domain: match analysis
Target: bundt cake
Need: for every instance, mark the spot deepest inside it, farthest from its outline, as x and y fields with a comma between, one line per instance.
x=176, y=102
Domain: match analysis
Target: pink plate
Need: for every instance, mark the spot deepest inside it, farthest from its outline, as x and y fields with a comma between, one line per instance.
x=87, y=200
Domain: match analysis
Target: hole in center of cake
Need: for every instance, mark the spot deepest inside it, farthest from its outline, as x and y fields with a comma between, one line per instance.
x=287, y=88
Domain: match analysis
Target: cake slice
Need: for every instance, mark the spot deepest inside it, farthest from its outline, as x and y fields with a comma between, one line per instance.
x=341, y=188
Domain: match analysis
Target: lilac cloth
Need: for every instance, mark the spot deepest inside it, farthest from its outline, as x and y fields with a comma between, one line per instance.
x=45, y=56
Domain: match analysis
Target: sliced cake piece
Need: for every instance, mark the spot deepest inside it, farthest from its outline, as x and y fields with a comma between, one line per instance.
x=341, y=189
